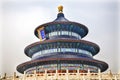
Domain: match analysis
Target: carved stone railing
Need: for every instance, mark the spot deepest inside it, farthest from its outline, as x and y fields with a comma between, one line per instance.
x=63, y=76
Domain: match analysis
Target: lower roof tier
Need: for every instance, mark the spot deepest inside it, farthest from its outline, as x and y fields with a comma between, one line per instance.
x=25, y=66
x=61, y=43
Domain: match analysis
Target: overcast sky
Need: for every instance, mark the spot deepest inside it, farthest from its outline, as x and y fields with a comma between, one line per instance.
x=19, y=18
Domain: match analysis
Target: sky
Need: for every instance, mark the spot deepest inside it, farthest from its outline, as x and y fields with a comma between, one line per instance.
x=19, y=18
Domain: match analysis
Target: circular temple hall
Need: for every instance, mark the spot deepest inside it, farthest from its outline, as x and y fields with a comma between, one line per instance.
x=62, y=48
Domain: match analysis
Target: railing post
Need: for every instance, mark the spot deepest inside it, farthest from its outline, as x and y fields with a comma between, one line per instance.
x=115, y=77
x=88, y=74
x=83, y=77
x=78, y=74
x=99, y=73
x=67, y=75
x=45, y=74
x=5, y=76
x=24, y=76
x=56, y=74
x=35, y=76
x=14, y=76
x=110, y=74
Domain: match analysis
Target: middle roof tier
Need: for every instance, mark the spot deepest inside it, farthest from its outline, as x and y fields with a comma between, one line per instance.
x=82, y=46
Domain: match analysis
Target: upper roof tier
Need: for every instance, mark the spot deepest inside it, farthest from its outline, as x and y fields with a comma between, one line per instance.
x=62, y=24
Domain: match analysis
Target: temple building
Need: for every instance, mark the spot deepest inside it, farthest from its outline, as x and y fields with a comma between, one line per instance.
x=62, y=54
x=61, y=48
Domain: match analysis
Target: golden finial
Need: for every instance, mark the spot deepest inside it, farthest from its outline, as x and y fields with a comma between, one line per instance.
x=60, y=9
